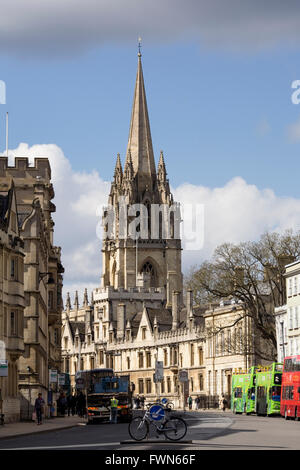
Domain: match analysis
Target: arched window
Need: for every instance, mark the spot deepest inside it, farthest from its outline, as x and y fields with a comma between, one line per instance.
x=149, y=269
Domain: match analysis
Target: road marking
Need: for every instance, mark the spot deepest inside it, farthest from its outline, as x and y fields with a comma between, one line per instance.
x=101, y=444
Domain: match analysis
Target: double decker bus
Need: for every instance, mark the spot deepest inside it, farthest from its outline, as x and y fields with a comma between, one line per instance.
x=268, y=389
x=99, y=386
x=290, y=391
x=243, y=392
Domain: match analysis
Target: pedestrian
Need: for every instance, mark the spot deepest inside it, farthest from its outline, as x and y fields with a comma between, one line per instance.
x=114, y=410
x=137, y=402
x=197, y=402
x=190, y=402
x=142, y=401
x=73, y=404
x=39, y=408
x=69, y=404
x=62, y=404
x=81, y=404
x=223, y=402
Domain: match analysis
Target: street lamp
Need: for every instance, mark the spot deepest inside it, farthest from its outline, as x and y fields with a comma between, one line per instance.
x=30, y=372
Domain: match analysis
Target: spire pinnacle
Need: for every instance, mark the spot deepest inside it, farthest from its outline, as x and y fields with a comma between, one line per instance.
x=118, y=170
x=139, y=140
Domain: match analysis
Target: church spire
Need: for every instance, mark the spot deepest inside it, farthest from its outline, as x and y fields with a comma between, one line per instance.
x=139, y=140
x=161, y=170
x=118, y=171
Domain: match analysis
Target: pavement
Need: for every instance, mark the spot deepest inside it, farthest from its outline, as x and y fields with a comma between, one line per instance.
x=24, y=428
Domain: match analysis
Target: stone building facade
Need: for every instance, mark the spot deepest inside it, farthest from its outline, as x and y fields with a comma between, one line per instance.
x=12, y=303
x=42, y=276
x=288, y=315
x=139, y=315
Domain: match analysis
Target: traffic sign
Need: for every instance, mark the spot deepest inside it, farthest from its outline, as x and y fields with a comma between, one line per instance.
x=159, y=371
x=3, y=368
x=183, y=376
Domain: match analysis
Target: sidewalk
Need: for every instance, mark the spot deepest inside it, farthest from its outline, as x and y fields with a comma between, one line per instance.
x=26, y=428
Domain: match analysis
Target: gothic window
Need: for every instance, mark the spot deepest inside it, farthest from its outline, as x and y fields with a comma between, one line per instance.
x=149, y=269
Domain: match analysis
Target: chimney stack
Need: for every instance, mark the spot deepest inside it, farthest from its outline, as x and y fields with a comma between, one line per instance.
x=121, y=320
x=189, y=306
x=175, y=310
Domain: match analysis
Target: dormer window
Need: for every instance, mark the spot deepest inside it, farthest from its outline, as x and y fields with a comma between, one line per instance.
x=144, y=329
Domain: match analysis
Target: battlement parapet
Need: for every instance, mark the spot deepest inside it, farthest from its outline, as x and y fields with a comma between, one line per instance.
x=40, y=169
x=151, y=293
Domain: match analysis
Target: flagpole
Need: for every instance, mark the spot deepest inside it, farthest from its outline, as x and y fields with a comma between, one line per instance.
x=7, y=133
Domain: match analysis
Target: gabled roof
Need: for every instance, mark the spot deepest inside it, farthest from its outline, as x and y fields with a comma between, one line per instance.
x=74, y=325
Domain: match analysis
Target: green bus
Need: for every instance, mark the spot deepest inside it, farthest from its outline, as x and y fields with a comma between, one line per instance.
x=243, y=391
x=268, y=389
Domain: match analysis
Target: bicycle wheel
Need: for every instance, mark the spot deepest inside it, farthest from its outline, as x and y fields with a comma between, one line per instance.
x=138, y=429
x=175, y=429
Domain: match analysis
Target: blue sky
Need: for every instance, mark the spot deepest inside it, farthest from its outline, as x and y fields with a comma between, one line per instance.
x=215, y=114
x=218, y=81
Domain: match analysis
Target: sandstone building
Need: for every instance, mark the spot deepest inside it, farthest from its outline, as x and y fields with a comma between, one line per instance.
x=139, y=315
x=42, y=276
x=12, y=303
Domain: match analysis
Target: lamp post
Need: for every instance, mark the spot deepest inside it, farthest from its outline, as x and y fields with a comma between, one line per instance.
x=30, y=371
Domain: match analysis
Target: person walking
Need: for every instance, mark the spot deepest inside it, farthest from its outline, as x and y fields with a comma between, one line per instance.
x=190, y=402
x=197, y=401
x=114, y=410
x=39, y=408
x=69, y=404
x=223, y=402
x=73, y=404
x=81, y=405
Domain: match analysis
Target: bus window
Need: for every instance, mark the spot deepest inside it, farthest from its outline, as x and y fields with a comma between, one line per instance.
x=261, y=392
x=278, y=367
x=277, y=378
x=275, y=393
x=238, y=392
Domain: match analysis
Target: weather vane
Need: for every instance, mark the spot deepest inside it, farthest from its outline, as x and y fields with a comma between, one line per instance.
x=140, y=45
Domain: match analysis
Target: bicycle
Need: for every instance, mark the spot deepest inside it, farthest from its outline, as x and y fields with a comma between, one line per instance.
x=174, y=428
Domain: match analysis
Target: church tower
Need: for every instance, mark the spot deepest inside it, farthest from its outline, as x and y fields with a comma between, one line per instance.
x=144, y=248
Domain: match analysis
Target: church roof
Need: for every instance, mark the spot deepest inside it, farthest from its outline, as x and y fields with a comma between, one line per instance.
x=81, y=328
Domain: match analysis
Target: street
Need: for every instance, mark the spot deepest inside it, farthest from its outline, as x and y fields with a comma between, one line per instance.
x=207, y=430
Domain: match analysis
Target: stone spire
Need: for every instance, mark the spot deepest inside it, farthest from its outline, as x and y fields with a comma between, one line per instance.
x=76, y=301
x=85, y=298
x=161, y=169
x=128, y=168
x=68, y=302
x=118, y=171
x=139, y=140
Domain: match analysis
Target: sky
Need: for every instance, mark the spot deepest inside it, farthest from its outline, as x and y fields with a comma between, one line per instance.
x=218, y=78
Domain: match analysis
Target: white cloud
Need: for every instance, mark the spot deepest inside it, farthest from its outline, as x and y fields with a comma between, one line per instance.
x=64, y=27
x=236, y=212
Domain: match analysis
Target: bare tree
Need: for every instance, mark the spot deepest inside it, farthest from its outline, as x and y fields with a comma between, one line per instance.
x=252, y=273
